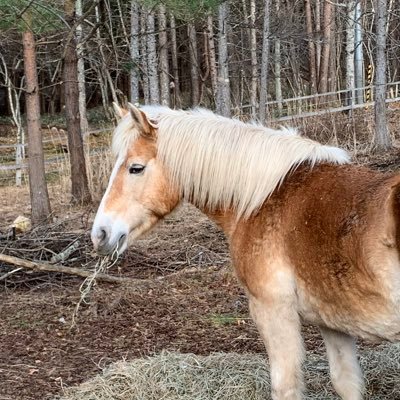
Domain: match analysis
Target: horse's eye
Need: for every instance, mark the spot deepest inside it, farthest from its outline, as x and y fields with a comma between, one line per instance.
x=136, y=169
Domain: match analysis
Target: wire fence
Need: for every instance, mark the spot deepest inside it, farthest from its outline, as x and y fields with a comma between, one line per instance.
x=326, y=103
x=55, y=153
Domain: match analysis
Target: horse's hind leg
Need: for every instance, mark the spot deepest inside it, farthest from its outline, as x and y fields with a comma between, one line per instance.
x=279, y=326
x=344, y=367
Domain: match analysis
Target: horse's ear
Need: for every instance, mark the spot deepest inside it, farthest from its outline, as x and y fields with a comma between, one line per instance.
x=119, y=111
x=142, y=123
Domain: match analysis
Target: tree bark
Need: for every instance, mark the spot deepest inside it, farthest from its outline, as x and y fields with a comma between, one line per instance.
x=194, y=65
x=382, y=136
x=264, y=64
x=81, y=72
x=254, y=62
x=359, y=54
x=311, y=48
x=318, y=41
x=14, y=106
x=175, y=66
x=134, y=48
x=163, y=55
x=144, y=56
x=212, y=56
x=329, y=20
x=277, y=63
x=350, y=76
x=79, y=182
x=223, y=92
x=154, y=87
x=40, y=203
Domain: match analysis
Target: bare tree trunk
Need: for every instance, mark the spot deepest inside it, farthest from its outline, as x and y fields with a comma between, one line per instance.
x=254, y=62
x=81, y=72
x=79, y=189
x=134, y=48
x=334, y=61
x=163, y=55
x=350, y=76
x=264, y=64
x=223, y=89
x=37, y=180
x=194, y=64
x=144, y=56
x=318, y=42
x=277, y=63
x=14, y=105
x=382, y=136
x=212, y=56
x=206, y=63
x=154, y=87
x=175, y=66
x=329, y=20
x=359, y=55
x=311, y=48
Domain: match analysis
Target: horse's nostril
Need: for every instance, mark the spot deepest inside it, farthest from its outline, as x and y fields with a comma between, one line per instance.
x=102, y=235
x=121, y=240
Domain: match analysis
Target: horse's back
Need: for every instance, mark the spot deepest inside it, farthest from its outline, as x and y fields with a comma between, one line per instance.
x=338, y=229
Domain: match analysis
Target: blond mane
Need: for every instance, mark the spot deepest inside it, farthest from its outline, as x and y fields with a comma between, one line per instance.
x=219, y=162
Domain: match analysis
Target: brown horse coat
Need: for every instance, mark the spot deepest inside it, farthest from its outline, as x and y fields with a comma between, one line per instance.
x=337, y=228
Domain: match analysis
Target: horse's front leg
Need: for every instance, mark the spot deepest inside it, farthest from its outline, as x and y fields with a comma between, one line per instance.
x=279, y=325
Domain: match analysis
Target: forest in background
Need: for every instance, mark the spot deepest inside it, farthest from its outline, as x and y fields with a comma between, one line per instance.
x=241, y=58
x=177, y=52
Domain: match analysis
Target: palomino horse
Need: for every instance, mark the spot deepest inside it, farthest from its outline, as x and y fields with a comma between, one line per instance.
x=311, y=236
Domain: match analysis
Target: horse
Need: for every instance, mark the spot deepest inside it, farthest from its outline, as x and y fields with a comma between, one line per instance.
x=313, y=238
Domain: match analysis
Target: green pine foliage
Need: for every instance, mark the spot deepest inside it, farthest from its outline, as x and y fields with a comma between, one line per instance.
x=185, y=9
x=38, y=15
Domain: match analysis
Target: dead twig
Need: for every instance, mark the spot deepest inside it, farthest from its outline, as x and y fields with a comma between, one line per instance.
x=7, y=274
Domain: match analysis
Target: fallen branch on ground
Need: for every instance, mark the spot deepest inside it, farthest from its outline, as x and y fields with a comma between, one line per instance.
x=36, y=266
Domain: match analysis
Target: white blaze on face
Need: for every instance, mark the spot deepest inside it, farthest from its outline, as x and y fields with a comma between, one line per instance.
x=128, y=205
x=109, y=230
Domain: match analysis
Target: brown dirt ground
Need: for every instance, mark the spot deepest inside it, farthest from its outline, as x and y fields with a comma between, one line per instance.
x=201, y=312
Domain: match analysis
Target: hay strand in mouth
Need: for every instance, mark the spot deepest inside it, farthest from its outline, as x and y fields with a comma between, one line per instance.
x=103, y=264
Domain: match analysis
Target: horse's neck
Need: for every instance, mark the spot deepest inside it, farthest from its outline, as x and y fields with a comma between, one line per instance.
x=226, y=220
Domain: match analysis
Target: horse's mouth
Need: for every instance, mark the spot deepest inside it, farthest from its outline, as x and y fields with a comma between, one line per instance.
x=115, y=248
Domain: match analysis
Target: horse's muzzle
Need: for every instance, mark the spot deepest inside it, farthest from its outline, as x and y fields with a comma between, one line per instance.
x=104, y=244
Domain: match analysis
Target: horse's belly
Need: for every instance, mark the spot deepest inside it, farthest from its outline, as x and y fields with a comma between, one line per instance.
x=367, y=322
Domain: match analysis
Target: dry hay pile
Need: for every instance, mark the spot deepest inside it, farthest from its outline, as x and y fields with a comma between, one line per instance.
x=229, y=376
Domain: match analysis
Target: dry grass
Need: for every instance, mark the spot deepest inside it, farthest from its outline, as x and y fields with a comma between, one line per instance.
x=98, y=166
x=229, y=376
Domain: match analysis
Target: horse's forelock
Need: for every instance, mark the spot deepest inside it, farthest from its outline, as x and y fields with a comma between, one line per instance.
x=123, y=136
